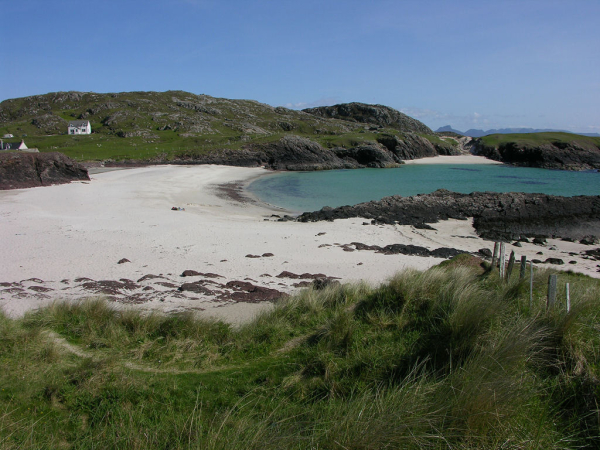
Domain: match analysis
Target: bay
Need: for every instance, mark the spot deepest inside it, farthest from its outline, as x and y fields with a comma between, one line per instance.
x=310, y=191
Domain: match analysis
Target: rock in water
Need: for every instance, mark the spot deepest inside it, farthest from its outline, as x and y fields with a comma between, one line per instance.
x=24, y=170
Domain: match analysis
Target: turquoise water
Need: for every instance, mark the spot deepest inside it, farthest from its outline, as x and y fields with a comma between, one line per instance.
x=310, y=191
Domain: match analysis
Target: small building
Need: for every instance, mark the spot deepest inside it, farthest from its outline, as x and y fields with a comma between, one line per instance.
x=80, y=127
x=13, y=145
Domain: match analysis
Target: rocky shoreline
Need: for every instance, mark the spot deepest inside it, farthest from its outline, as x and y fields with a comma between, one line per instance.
x=496, y=216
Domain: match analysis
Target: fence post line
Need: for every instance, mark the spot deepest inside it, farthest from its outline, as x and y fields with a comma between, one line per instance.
x=568, y=299
x=551, y=300
x=523, y=267
x=511, y=265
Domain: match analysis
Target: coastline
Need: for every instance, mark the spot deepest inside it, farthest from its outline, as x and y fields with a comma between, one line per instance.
x=69, y=241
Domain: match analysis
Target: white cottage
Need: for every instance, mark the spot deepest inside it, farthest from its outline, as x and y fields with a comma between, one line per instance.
x=80, y=127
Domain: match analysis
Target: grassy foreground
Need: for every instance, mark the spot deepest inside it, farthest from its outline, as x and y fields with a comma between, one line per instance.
x=447, y=358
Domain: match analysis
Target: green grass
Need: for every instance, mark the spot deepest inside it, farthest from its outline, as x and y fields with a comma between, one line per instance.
x=535, y=139
x=452, y=357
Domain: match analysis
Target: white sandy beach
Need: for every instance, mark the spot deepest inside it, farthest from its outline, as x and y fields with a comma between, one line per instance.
x=66, y=241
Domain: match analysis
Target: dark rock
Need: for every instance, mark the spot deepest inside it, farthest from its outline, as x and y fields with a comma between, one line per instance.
x=496, y=216
x=572, y=262
x=517, y=244
x=589, y=240
x=593, y=254
x=196, y=287
x=539, y=241
x=253, y=256
x=190, y=273
x=267, y=255
x=372, y=114
x=485, y=252
x=123, y=261
x=536, y=261
x=193, y=273
x=245, y=291
x=305, y=276
x=23, y=170
x=574, y=155
x=319, y=284
x=369, y=155
x=556, y=261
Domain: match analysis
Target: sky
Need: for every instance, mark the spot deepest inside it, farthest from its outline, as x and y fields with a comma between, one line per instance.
x=469, y=64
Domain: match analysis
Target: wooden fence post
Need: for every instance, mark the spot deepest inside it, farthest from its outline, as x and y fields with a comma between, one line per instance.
x=511, y=264
x=495, y=256
x=550, y=302
x=502, y=260
x=523, y=267
x=568, y=299
x=530, y=285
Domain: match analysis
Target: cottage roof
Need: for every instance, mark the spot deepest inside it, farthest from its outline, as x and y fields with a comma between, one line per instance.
x=78, y=123
x=13, y=145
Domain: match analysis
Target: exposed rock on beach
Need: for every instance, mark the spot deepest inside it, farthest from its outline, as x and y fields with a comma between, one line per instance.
x=495, y=215
x=24, y=170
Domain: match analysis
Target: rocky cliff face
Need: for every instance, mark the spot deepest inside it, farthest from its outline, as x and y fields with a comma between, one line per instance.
x=24, y=170
x=547, y=155
x=378, y=115
x=495, y=215
x=300, y=153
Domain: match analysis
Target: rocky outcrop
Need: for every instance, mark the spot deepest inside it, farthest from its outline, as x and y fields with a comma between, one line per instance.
x=368, y=155
x=300, y=153
x=575, y=155
x=24, y=170
x=413, y=146
x=379, y=115
x=495, y=216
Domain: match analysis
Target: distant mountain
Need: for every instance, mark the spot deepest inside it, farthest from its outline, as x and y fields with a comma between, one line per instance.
x=480, y=133
x=449, y=129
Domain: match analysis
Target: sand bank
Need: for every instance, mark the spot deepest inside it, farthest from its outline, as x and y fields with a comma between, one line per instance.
x=458, y=159
x=67, y=241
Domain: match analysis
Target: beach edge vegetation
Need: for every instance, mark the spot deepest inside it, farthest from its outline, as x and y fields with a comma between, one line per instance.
x=451, y=357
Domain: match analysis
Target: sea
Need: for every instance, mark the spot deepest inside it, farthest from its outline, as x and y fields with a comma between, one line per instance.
x=310, y=191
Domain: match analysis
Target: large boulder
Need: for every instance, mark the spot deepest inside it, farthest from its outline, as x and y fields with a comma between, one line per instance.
x=23, y=170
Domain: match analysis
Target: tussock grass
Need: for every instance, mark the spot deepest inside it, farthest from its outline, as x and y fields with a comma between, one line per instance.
x=452, y=357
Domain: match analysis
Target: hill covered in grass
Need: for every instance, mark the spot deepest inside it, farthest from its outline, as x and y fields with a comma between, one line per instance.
x=448, y=358
x=180, y=126
x=551, y=150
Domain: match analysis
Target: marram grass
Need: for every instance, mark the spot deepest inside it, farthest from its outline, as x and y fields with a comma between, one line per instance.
x=449, y=358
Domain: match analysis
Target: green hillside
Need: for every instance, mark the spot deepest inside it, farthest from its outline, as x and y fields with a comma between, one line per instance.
x=537, y=139
x=452, y=357
x=164, y=125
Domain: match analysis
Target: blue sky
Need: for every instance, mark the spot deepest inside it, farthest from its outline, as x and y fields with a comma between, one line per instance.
x=471, y=64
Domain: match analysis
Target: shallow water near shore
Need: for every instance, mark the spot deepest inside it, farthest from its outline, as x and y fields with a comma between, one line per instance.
x=310, y=191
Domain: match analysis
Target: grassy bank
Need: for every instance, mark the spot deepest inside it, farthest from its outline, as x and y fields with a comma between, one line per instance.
x=536, y=139
x=447, y=358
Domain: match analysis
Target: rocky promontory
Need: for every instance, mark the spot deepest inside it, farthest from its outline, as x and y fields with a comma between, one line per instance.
x=544, y=150
x=24, y=170
x=506, y=216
